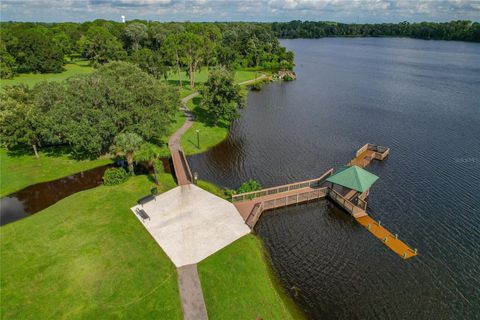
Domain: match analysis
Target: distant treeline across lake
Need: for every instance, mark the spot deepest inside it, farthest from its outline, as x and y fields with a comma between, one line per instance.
x=462, y=30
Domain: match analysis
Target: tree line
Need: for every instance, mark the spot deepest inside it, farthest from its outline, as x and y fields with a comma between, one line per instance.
x=157, y=48
x=119, y=108
x=461, y=30
x=88, y=113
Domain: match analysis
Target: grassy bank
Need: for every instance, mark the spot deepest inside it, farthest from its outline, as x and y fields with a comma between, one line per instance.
x=21, y=169
x=208, y=135
x=212, y=188
x=237, y=283
x=30, y=79
x=88, y=257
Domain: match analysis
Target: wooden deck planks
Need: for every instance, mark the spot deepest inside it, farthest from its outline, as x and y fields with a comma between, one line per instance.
x=396, y=245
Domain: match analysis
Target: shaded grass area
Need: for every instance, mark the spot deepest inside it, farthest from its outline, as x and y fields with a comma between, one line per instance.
x=88, y=257
x=30, y=79
x=208, y=136
x=19, y=169
x=237, y=283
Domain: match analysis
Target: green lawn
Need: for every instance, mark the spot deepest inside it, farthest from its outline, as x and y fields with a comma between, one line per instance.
x=237, y=283
x=212, y=188
x=88, y=257
x=30, y=79
x=202, y=77
x=210, y=135
x=18, y=171
x=243, y=75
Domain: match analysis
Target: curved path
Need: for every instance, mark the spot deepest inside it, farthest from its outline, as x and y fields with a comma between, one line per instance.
x=190, y=288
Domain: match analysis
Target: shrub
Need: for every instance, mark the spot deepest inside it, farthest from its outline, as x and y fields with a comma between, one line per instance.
x=249, y=186
x=114, y=176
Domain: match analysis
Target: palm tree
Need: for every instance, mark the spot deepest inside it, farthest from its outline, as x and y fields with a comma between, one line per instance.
x=127, y=144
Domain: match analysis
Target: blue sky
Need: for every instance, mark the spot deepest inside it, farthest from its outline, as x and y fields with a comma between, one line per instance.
x=241, y=10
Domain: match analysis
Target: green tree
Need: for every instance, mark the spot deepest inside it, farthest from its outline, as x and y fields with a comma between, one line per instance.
x=100, y=46
x=221, y=97
x=118, y=97
x=127, y=144
x=194, y=48
x=7, y=63
x=136, y=33
x=172, y=50
x=35, y=52
x=149, y=61
x=150, y=153
x=19, y=118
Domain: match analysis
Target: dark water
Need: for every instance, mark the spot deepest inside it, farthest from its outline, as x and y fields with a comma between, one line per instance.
x=421, y=99
x=39, y=196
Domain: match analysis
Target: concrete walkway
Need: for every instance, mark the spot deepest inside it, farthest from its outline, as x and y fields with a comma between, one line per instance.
x=191, y=296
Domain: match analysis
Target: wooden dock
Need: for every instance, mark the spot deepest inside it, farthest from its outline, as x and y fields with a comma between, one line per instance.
x=251, y=205
x=389, y=239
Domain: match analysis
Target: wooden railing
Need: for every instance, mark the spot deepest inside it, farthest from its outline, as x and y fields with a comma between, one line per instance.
x=362, y=149
x=313, y=183
x=380, y=152
x=345, y=204
x=186, y=165
x=283, y=202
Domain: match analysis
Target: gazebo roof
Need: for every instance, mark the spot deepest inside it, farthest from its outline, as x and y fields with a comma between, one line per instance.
x=354, y=178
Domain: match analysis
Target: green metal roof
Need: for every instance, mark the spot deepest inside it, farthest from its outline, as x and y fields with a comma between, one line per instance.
x=354, y=178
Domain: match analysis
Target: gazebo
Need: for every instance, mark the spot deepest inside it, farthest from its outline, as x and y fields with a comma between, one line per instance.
x=353, y=178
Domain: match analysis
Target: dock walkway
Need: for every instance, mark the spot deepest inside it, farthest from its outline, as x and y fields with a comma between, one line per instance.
x=251, y=205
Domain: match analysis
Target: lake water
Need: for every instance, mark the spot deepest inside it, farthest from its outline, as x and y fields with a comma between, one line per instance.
x=421, y=99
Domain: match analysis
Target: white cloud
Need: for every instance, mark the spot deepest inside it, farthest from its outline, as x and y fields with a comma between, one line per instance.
x=249, y=10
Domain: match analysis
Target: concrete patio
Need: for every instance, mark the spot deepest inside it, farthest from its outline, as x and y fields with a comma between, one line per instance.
x=190, y=223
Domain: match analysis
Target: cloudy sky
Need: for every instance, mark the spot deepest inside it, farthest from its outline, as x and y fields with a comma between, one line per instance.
x=241, y=10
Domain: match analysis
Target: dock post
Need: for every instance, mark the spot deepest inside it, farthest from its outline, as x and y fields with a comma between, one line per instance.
x=385, y=239
x=396, y=236
x=415, y=250
x=404, y=255
x=368, y=227
x=379, y=223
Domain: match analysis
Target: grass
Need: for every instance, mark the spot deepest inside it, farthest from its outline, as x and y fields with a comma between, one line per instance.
x=208, y=135
x=202, y=77
x=30, y=79
x=212, y=188
x=20, y=169
x=88, y=257
x=237, y=283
